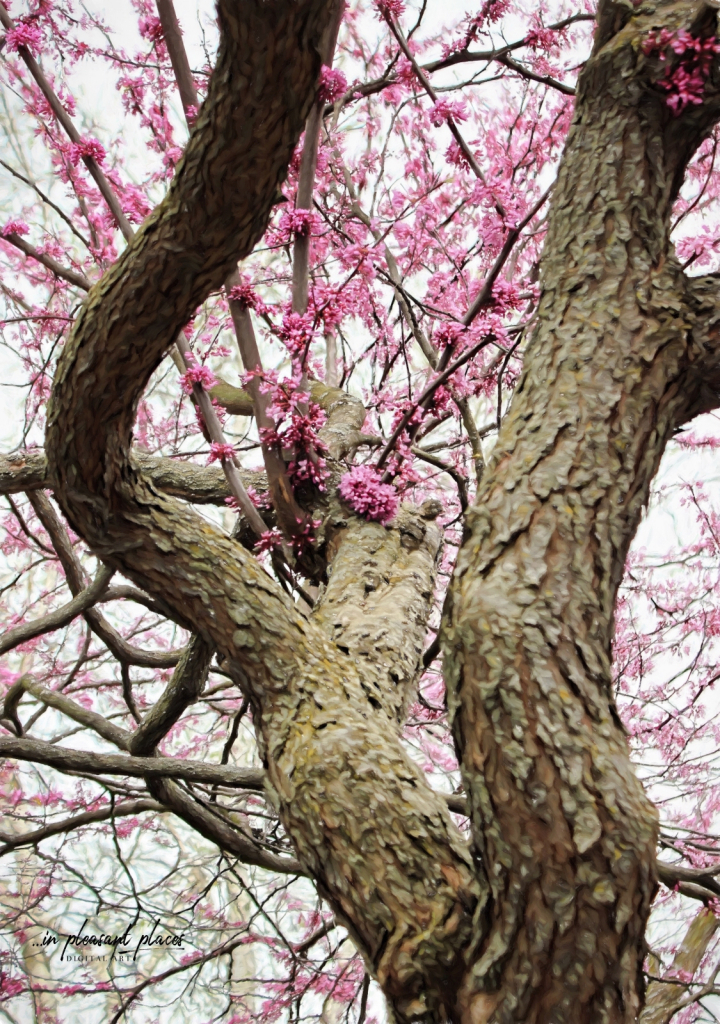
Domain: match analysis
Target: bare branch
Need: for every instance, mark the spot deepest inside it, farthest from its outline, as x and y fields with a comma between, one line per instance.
x=75, y=574
x=124, y=809
x=84, y=716
x=88, y=597
x=71, y=276
x=134, y=767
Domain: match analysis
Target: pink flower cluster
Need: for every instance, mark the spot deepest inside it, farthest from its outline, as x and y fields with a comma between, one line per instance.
x=221, y=452
x=685, y=83
x=270, y=540
x=447, y=334
x=333, y=84
x=196, y=374
x=363, y=490
x=25, y=33
x=447, y=110
x=296, y=333
x=306, y=470
x=86, y=148
x=244, y=295
x=390, y=8
x=14, y=227
x=300, y=222
x=150, y=28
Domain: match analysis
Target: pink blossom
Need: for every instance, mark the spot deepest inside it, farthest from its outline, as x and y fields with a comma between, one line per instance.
x=363, y=490
x=243, y=294
x=220, y=452
x=88, y=148
x=447, y=333
x=301, y=222
x=14, y=227
x=333, y=84
x=25, y=33
x=197, y=374
x=150, y=28
x=447, y=110
x=296, y=332
x=306, y=470
x=684, y=83
x=270, y=540
x=390, y=8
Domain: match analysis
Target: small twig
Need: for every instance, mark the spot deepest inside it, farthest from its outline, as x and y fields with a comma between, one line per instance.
x=428, y=393
x=71, y=276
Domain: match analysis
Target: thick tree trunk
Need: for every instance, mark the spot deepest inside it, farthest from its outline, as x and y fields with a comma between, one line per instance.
x=564, y=830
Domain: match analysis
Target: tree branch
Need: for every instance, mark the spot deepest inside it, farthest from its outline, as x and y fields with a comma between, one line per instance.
x=127, y=808
x=63, y=616
x=352, y=817
x=75, y=575
x=83, y=716
x=134, y=767
x=71, y=276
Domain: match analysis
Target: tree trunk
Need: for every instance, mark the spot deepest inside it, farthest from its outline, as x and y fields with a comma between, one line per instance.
x=564, y=831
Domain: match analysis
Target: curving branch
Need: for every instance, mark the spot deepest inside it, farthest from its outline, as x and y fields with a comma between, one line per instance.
x=353, y=815
x=65, y=760
x=53, y=699
x=60, y=617
x=24, y=471
x=122, y=650
x=126, y=808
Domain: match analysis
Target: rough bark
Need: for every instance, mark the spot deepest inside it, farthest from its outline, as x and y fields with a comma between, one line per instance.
x=378, y=599
x=563, y=828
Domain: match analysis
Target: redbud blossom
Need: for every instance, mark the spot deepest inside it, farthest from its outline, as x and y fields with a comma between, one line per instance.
x=86, y=147
x=197, y=374
x=244, y=295
x=23, y=34
x=269, y=541
x=363, y=490
x=220, y=452
x=14, y=227
x=390, y=8
x=333, y=84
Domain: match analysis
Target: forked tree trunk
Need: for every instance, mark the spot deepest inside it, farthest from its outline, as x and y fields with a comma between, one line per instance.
x=545, y=925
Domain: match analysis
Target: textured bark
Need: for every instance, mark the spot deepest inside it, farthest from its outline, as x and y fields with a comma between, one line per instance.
x=378, y=599
x=364, y=822
x=565, y=832
x=663, y=998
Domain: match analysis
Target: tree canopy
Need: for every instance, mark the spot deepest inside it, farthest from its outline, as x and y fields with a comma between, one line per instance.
x=343, y=346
